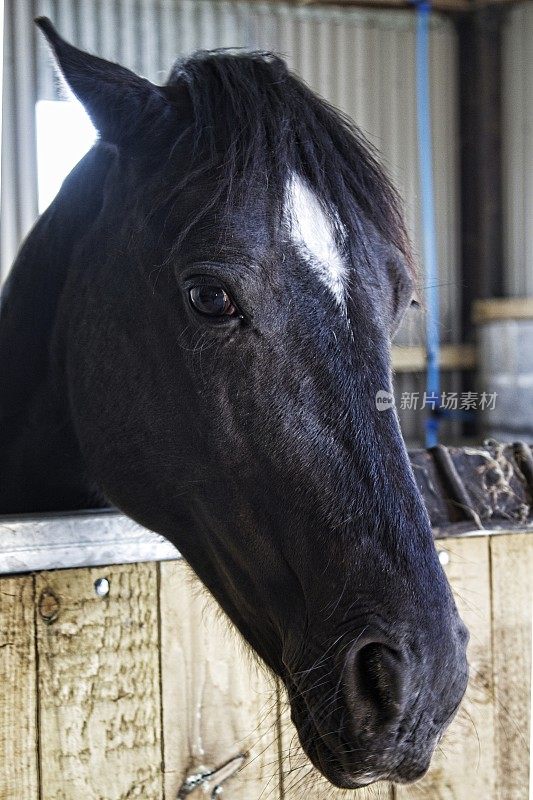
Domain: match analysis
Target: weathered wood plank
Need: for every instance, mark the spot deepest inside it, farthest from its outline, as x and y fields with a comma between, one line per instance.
x=502, y=308
x=99, y=699
x=463, y=765
x=301, y=780
x=217, y=702
x=512, y=587
x=412, y=358
x=18, y=729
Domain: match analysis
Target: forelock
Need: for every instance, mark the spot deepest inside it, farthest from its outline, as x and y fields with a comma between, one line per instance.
x=255, y=126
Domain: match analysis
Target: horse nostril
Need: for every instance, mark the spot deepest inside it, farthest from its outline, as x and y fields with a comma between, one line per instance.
x=380, y=675
x=375, y=683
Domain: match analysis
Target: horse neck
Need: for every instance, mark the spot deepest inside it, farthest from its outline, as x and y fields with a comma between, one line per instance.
x=41, y=466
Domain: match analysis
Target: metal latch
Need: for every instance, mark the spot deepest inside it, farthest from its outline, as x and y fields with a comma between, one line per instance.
x=211, y=780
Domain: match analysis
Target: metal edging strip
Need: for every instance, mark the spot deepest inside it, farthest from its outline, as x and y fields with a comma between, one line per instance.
x=86, y=539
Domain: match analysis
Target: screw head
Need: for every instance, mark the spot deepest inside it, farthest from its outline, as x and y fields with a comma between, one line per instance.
x=101, y=587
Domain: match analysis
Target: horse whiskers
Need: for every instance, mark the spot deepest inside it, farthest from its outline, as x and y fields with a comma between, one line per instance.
x=319, y=660
x=338, y=600
x=304, y=693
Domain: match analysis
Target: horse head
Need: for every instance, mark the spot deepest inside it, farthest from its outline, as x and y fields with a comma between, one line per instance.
x=225, y=330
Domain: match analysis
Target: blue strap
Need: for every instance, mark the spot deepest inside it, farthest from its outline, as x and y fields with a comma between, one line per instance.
x=423, y=102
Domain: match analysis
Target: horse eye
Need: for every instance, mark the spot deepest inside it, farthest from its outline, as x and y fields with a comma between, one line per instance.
x=212, y=301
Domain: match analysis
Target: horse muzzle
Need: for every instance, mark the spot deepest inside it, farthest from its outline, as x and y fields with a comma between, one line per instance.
x=379, y=714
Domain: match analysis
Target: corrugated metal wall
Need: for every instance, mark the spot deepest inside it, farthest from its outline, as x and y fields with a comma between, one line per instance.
x=18, y=199
x=363, y=61
x=518, y=149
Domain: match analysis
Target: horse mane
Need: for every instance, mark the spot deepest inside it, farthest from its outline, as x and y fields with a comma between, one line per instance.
x=255, y=124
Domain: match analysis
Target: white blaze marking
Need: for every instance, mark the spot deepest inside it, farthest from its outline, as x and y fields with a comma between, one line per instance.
x=313, y=233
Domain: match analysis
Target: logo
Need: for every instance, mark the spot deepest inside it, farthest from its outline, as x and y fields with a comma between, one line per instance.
x=384, y=400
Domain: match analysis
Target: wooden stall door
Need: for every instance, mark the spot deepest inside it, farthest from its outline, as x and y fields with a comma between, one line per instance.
x=123, y=696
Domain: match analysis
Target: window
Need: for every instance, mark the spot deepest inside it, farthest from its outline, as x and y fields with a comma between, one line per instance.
x=64, y=134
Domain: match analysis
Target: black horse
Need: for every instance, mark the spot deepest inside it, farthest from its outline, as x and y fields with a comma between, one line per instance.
x=196, y=331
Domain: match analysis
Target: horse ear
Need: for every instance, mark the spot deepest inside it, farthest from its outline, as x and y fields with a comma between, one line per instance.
x=120, y=103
